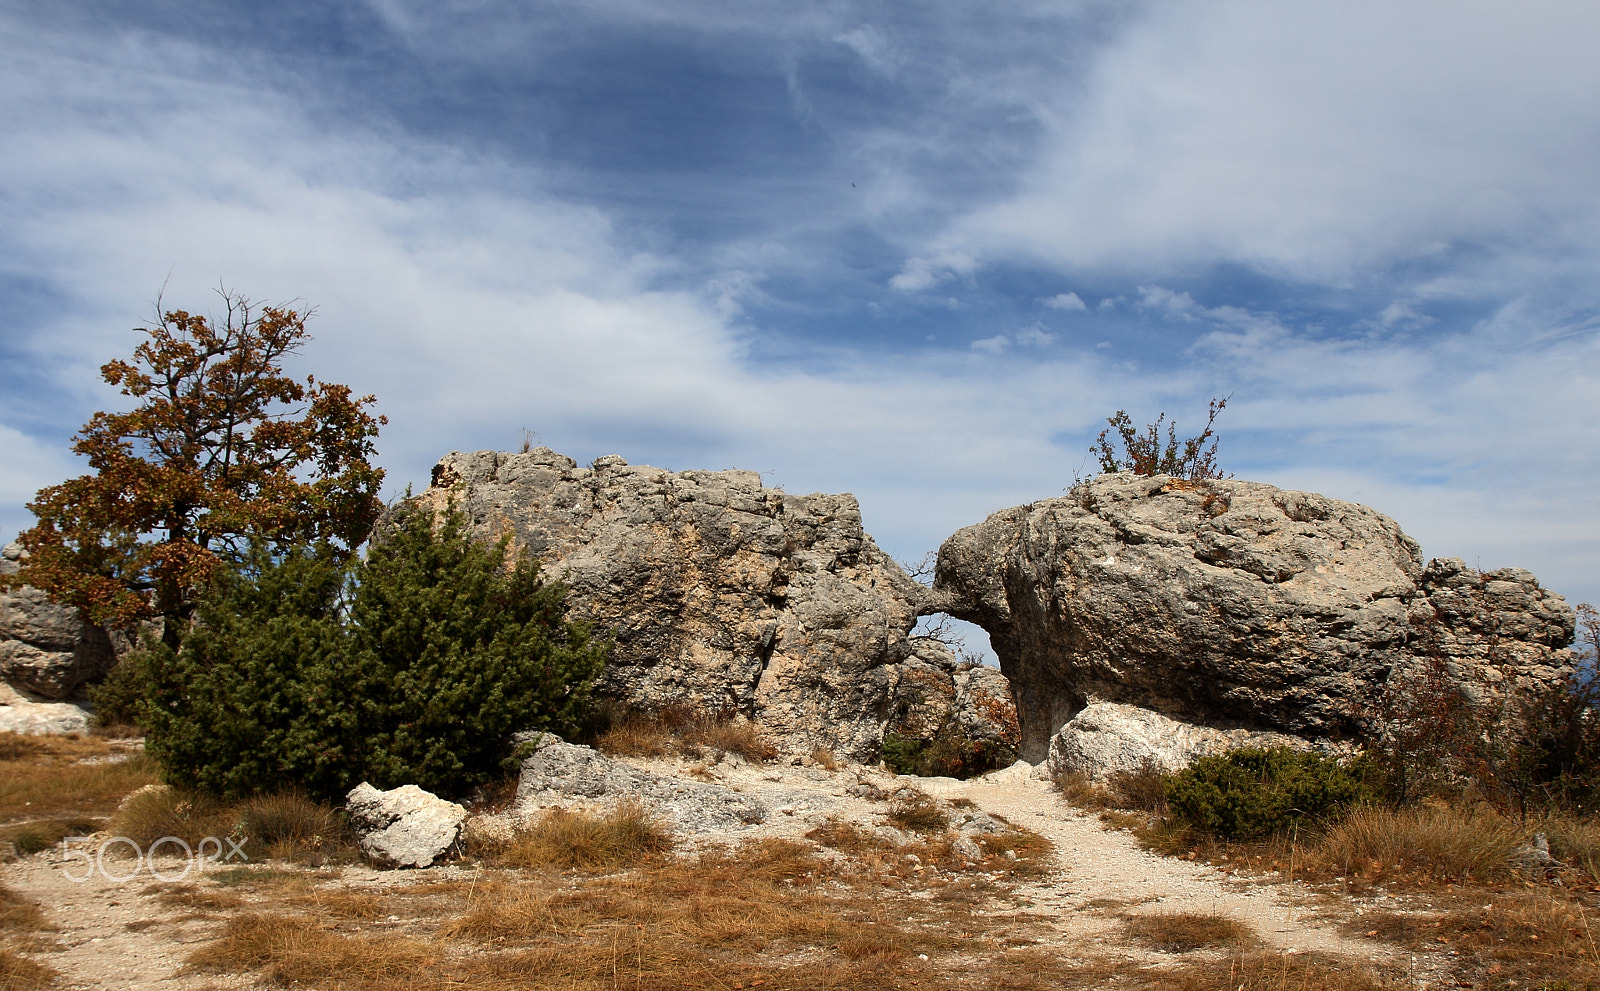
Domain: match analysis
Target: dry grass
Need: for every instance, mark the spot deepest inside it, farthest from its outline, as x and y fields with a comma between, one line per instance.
x=825, y=759
x=31, y=837
x=20, y=917
x=284, y=826
x=1536, y=938
x=1185, y=932
x=686, y=733
x=289, y=949
x=590, y=841
x=1576, y=843
x=19, y=914
x=41, y=777
x=917, y=812
x=1441, y=843
x=1266, y=971
x=763, y=912
x=196, y=898
x=18, y=973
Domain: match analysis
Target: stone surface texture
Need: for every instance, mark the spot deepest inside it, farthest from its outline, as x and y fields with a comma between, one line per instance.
x=47, y=650
x=1234, y=604
x=1108, y=737
x=404, y=826
x=43, y=718
x=557, y=773
x=725, y=596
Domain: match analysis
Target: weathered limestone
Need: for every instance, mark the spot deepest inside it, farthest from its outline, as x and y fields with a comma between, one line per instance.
x=1233, y=604
x=47, y=650
x=726, y=596
x=557, y=773
x=404, y=826
x=1109, y=737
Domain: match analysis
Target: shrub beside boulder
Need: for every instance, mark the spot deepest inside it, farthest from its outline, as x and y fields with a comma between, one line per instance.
x=413, y=667
x=1249, y=793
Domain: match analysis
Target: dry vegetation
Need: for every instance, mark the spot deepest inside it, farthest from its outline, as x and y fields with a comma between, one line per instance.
x=20, y=921
x=685, y=733
x=51, y=787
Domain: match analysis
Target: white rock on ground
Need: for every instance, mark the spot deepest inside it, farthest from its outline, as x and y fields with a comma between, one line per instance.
x=560, y=773
x=40, y=718
x=404, y=826
x=1108, y=737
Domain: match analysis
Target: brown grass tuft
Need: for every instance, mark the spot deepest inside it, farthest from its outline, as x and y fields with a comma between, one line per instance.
x=1443, y=843
x=685, y=732
x=825, y=759
x=18, y=973
x=1185, y=932
x=19, y=914
x=917, y=812
x=621, y=837
x=290, y=949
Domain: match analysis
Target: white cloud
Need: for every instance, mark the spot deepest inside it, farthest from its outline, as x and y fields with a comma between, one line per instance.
x=1068, y=301
x=993, y=345
x=1035, y=335
x=1317, y=141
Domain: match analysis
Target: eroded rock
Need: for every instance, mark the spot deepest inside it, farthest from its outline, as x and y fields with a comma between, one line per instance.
x=1108, y=737
x=725, y=596
x=557, y=773
x=1233, y=603
x=46, y=649
x=404, y=826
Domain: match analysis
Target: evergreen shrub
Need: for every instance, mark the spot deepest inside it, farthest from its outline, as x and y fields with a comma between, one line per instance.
x=413, y=667
x=1249, y=793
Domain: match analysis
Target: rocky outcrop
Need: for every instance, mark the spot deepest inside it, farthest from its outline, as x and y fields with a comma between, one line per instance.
x=725, y=596
x=1107, y=738
x=557, y=773
x=404, y=826
x=1233, y=604
x=47, y=650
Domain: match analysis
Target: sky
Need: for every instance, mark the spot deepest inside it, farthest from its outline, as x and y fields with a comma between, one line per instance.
x=917, y=252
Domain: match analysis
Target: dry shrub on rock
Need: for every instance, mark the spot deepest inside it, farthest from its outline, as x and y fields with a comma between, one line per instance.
x=686, y=732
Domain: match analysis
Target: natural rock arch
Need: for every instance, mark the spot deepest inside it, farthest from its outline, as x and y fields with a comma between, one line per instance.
x=1233, y=604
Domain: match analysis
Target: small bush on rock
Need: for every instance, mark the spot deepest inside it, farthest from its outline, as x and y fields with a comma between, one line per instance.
x=414, y=667
x=1248, y=793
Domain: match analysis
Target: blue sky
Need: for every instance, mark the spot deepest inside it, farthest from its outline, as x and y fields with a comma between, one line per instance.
x=916, y=252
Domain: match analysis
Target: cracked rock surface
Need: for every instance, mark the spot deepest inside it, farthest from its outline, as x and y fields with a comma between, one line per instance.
x=1234, y=604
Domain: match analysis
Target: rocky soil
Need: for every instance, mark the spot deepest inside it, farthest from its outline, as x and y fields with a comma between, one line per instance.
x=136, y=934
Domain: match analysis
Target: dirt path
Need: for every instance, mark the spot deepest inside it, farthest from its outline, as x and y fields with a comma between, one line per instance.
x=1106, y=867
x=112, y=934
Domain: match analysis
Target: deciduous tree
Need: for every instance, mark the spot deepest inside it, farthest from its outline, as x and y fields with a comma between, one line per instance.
x=222, y=447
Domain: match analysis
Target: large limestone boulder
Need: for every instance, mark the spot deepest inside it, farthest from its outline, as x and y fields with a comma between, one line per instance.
x=1236, y=604
x=561, y=774
x=1107, y=738
x=725, y=596
x=47, y=650
x=404, y=826
x=43, y=718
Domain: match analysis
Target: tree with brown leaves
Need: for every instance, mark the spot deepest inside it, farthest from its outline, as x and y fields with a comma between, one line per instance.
x=221, y=448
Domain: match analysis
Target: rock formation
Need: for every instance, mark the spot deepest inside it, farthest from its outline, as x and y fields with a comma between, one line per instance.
x=47, y=650
x=726, y=596
x=1109, y=737
x=558, y=772
x=404, y=826
x=1234, y=604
